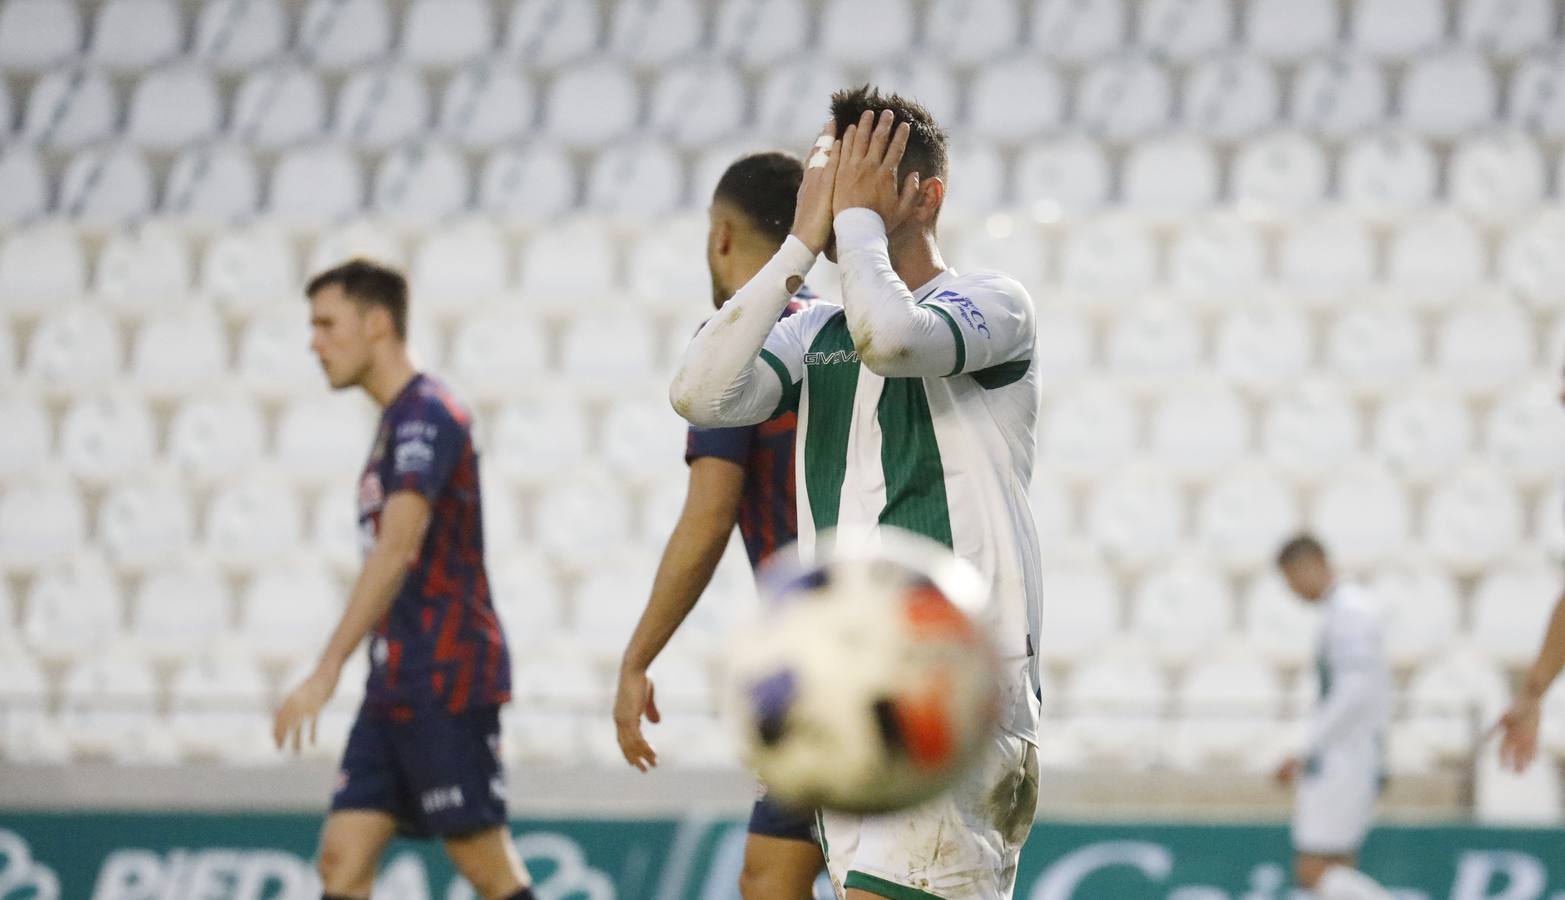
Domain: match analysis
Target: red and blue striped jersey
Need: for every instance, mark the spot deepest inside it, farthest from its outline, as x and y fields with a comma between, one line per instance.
x=440, y=647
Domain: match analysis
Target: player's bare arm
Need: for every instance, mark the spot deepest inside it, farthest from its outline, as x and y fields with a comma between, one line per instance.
x=1519, y=726
x=403, y=523
x=691, y=556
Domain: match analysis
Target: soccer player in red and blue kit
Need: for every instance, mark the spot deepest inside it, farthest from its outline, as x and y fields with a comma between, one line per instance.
x=423, y=756
x=737, y=475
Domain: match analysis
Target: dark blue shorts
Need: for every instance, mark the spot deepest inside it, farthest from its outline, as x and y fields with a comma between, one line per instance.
x=769, y=818
x=438, y=775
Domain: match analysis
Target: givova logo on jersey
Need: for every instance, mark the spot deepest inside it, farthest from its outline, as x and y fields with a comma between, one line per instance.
x=835, y=357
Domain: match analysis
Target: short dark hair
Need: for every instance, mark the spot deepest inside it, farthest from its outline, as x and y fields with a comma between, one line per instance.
x=1299, y=547
x=765, y=187
x=926, y=143
x=371, y=284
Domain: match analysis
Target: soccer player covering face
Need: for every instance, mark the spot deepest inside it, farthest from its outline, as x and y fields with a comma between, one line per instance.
x=917, y=402
x=1339, y=775
x=742, y=475
x=423, y=756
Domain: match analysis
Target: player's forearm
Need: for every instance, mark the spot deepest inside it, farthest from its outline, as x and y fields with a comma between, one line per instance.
x=373, y=593
x=1551, y=657
x=1349, y=694
x=893, y=335
x=719, y=381
x=686, y=569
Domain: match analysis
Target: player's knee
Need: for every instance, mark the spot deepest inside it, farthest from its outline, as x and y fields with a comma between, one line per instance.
x=343, y=872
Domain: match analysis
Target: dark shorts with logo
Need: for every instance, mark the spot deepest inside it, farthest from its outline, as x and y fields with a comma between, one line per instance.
x=438, y=775
x=769, y=818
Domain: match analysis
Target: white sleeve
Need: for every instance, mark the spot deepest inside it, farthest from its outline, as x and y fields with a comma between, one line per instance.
x=724, y=378
x=987, y=322
x=1352, y=652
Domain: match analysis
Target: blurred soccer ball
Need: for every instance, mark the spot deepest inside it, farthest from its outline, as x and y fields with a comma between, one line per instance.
x=867, y=683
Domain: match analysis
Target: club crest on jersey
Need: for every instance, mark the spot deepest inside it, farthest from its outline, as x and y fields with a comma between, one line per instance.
x=816, y=358
x=967, y=309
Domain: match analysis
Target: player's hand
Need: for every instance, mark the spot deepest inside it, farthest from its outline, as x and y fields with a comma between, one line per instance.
x=1519, y=733
x=872, y=151
x=1288, y=772
x=813, y=211
x=633, y=698
x=302, y=707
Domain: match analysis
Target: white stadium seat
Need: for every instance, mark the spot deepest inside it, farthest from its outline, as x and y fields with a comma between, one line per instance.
x=1277, y=623
x=1310, y=428
x=1108, y=260
x=213, y=184
x=1152, y=343
x=979, y=168
x=1388, y=174
x=792, y=102
x=36, y=35
x=1327, y=258
x=1075, y=631
x=446, y=33
x=576, y=260
x=107, y=187
x=1423, y=431
x=1511, y=607
x=73, y=609
x=1200, y=428
x=129, y=35
x=1524, y=432
x=245, y=268
x=1339, y=95
x=866, y=32
x=75, y=348
x=173, y=108
x=1064, y=350
x=642, y=439
x=1421, y=612
x=41, y=521
x=279, y=106
x=525, y=595
x=146, y=522
x=667, y=265
x=1181, y=610
x=1089, y=430
x=1124, y=97
x=1230, y=96
x=545, y=34
x=1053, y=510
x=1183, y=30
x=1471, y=518
x=143, y=270
x=28, y=734
x=255, y=521
x=1497, y=175
x=486, y=105
x=1397, y=28
x=641, y=181
x=286, y=610
x=1136, y=516
x=423, y=182
x=1436, y=259
x=993, y=113
x=217, y=704
x=1009, y=244
x=760, y=33
x=1217, y=260
x=1174, y=175
x=580, y=515
x=929, y=82
x=1062, y=176
x=1481, y=347
x=70, y=108
x=1506, y=28
x=235, y=35
x=334, y=529
x=28, y=437
x=1530, y=262
x=315, y=184
x=591, y=104
x=24, y=186
x=498, y=350
x=656, y=33
x=1263, y=347
x=1284, y=170
x=368, y=238
x=1078, y=31
x=1289, y=30
x=7, y=112
x=1536, y=98
x=534, y=185
x=1228, y=704
x=1116, y=705
x=41, y=268
x=1362, y=514
x=459, y=267
x=1448, y=94
x=179, y=352
x=1243, y=517
x=606, y=601
x=108, y=709
x=606, y=351
x=107, y=436
x=696, y=102
x=1452, y=699
x=274, y=356
x=211, y=439
x=382, y=106
x=971, y=32
x=340, y=35
x=1374, y=350
x=324, y=437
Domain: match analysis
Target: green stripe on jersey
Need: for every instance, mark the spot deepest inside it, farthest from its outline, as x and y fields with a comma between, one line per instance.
x=956, y=334
x=1003, y=374
x=910, y=459
x=880, y=887
x=832, y=386
x=790, y=388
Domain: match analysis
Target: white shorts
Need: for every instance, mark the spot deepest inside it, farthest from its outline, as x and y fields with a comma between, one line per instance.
x=963, y=844
x=1335, y=803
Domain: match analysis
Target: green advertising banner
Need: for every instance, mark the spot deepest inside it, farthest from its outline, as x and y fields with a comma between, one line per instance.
x=143, y=856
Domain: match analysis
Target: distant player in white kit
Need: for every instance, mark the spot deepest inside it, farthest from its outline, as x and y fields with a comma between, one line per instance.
x=917, y=401
x=1338, y=775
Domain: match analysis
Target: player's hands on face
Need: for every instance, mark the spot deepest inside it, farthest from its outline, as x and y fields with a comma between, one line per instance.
x=1519, y=734
x=813, y=211
x=302, y=707
x=634, y=697
x=872, y=150
x=1288, y=772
